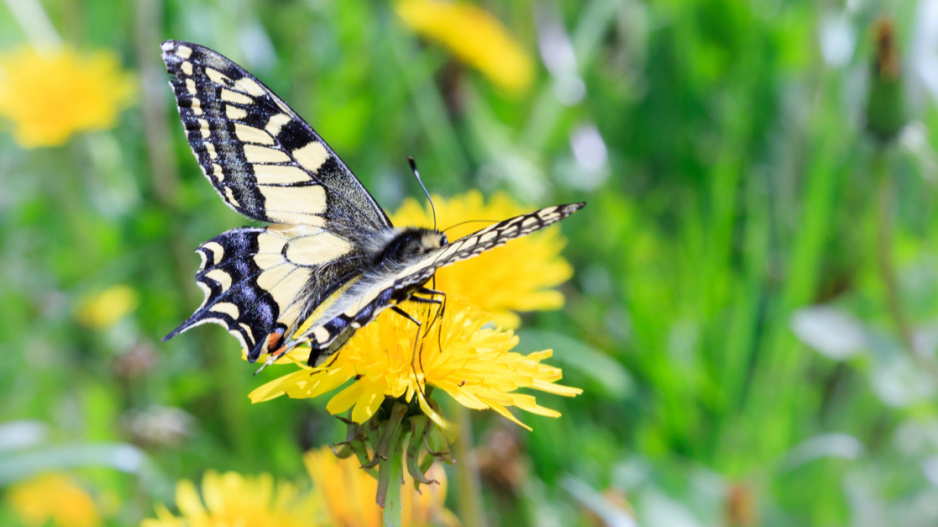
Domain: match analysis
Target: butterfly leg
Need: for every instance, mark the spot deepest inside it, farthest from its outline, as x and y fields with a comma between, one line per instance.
x=439, y=313
x=417, y=355
x=431, y=293
x=413, y=353
x=406, y=315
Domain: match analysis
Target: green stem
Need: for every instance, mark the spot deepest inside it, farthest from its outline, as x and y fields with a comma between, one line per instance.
x=391, y=480
x=470, y=494
x=887, y=270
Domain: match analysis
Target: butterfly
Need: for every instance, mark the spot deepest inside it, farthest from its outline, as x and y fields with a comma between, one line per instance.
x=330, y=260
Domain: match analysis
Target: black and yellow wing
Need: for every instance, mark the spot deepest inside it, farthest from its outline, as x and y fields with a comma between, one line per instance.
x=259, y=282
x=261, y=157
x=270, y=165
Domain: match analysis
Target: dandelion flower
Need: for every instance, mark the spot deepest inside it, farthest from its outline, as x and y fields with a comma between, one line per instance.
x=348, y=493
x=102, y=310
x=515, y=277
x=474, y=36
x=474, y=365
x=53, y=497
x=231, y=499
x=53, y=94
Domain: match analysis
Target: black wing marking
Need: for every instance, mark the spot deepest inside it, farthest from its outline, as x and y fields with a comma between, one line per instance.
x=264, y=160
x=370, y=295
x=232, y=297
x=259, y=282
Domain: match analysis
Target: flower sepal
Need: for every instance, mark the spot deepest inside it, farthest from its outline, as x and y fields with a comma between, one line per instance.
x=399, y=434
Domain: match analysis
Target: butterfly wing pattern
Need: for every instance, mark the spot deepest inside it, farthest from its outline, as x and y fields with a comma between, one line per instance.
x=330, y=261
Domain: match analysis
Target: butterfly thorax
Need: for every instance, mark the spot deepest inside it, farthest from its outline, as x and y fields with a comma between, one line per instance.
x=407, y=245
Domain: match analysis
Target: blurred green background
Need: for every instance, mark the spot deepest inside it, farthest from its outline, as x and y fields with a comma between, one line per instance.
x=754, y=315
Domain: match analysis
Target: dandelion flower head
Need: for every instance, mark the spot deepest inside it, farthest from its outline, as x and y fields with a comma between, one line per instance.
x=54, y=498
x=474, y=36
x=51, y=94
x=231, y=499
x=104, y=309
x=518, y=276
x=462, y=355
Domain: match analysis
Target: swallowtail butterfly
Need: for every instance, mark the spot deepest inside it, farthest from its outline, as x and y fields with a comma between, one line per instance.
x=330, y=260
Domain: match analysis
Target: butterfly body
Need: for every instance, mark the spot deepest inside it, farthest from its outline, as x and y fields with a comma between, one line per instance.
x=330, y=261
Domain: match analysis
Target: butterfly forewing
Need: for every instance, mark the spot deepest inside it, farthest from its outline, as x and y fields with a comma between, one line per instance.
x=261, y=157
x=485, y=239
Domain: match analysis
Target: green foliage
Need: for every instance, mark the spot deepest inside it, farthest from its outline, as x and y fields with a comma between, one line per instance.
x=740, y=185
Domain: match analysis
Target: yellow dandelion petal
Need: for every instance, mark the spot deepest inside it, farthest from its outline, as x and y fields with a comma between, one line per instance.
x=164, y=518
x=231, y=499
x=53, y=497
x=501, y=410
x=556, y=389
x=369, y=401
x=515, y=277
x=103, y=309
x=188, y=500
x=328, y=380
x=51, y=95
x=476, y=366
x=474, y=36
x=346, y=398
x=434, y=416
x=348, y=493
x=296, y=380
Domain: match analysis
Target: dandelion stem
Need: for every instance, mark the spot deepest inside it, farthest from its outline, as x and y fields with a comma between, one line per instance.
x=390, y=481
x=470, y=495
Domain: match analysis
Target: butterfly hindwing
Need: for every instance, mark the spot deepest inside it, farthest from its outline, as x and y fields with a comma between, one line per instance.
x=259, y=282
x=227, y=276
x=261, y=157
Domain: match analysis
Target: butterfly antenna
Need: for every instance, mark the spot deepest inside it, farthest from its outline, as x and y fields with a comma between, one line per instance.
x=469, y=221
x=413, y=166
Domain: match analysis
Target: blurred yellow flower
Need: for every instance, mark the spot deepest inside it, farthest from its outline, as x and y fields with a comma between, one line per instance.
x=349, y=493
x=230, y=500
x=515, y=277
x=52, y=94
x=473, y=364
x=102, y=310
x=53, y=499
x=473, y=35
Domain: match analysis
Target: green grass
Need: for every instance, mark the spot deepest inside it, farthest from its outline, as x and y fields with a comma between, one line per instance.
x=741, y=185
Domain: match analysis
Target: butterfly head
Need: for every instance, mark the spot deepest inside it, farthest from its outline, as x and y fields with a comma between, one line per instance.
x=430, y=240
